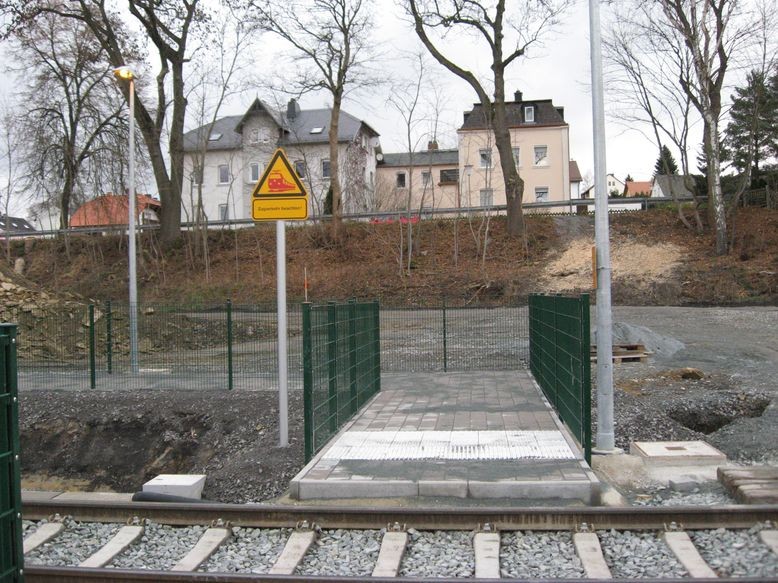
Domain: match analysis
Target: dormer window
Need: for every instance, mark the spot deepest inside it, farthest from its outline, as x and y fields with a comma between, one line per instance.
x=529, y=114
x=317, y=130
x=214, y=137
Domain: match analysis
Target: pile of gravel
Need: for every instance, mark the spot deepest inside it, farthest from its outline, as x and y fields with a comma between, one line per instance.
x=539, y=555
x=709, y=494
x=438, y=554
x=160, y=547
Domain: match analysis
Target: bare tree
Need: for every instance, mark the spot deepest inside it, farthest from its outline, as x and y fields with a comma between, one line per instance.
x=331, y=40
x=168, y=26
x=73, y=120
x=10, y=143
x=491, y=23
x=713, y=31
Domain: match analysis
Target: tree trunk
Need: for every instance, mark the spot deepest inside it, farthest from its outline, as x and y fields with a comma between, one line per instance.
x=64, y=201
x=715, y=195
x=337, y=206
x=170, y=222
x=514, y=184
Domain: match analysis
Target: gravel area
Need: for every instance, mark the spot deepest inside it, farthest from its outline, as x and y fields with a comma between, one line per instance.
x=736, y=553
x=438, y=554
x=708, y=494
x=77, y=542
x=160, y=547
x=638, y=555
x=539, y=555
x=249, y=550
x=342, y=553
x=30, y=526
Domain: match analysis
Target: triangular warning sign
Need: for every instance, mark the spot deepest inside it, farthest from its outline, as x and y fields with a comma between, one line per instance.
x=279, y=179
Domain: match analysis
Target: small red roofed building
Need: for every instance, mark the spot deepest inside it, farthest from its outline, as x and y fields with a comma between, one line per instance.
x=113, y=209
x=637, y=188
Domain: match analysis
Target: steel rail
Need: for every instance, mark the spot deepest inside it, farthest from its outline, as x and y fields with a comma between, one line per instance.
x=438, y=518
x=77, y=575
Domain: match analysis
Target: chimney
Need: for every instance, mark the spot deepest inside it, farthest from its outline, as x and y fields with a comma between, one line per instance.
x=292, y=109
x=432, y=145
x=517, y=96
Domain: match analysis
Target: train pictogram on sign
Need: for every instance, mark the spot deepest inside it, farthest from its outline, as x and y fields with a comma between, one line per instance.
x=279, y=179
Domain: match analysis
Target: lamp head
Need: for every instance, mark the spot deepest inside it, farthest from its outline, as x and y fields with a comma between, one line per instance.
x=124, y=73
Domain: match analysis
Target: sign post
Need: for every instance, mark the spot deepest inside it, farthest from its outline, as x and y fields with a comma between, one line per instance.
x=280, y=196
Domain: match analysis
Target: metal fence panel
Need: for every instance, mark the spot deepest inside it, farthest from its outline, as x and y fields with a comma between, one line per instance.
x=342, y=366
x=560, y=359
x=11, y=548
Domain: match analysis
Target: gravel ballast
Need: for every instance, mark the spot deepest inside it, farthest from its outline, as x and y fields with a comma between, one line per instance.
x=249, y=550
x=541, y=555
x=342, y=552
x=638, y=555
x=160, y=547
x=438, y=554
x=736, y=553
x=77, y=542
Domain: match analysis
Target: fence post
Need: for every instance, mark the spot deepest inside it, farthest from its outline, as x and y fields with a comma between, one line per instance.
x=352, y=356
x=376, y=325
x=229, y=346
x=12, y=555
x=92, y=372
x=586, y=378
x=108, y=337
x=307, y=382
x=332, y=365
x=555, y=368
x=445, y=338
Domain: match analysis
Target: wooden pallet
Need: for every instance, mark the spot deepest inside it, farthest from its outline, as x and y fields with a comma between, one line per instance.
x=625, y=353
x=753, y=485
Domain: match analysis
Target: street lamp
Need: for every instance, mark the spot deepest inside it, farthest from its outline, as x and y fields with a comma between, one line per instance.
x=125, y=74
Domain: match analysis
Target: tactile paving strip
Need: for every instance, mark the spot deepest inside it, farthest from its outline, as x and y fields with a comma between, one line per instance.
x=450, y=445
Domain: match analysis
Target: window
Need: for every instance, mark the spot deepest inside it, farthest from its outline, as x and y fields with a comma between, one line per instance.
x=317, y=130
x=529, y=114
x=485, y=157
x=223, y=212
x=541, y=194
x=325, y=168
x=450, y=175
x=254, y=136
x=516, y=156
x=426, y=178
x=224, y=174
x=214, y=137
x=299, y=167
x=541, y=155
x=400, y=182
x=254, y=171
x=263, y=135
x=487, y=197
x=197, y=175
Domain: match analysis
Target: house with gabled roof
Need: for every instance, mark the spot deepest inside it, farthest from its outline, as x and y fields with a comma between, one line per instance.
x=540, y=140
x=224, y=160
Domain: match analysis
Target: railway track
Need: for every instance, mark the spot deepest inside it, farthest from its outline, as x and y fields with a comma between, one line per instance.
x=224, y=542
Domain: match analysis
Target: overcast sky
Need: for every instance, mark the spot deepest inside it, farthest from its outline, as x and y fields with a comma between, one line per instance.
x=557, y=70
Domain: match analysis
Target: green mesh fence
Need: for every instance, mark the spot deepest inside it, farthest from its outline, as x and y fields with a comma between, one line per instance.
x=11, y=550
x=559, y=359
x=342, y=366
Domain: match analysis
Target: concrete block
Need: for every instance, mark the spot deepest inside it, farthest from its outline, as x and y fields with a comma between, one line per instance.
x=443, y=488
x=683, y=485
x=185, y=485
x=565, y=490
x=686, y=453
x=329, y=489
x=101, y=497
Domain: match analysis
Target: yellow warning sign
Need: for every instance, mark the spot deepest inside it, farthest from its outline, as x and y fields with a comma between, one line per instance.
x=279, y=209
x=279, y=179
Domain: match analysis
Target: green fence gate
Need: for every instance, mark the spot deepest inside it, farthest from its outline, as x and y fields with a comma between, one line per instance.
x=11, y=550
x=559, y=353
x=341, y=366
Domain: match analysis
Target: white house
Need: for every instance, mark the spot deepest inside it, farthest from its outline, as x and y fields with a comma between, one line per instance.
x=224, y=160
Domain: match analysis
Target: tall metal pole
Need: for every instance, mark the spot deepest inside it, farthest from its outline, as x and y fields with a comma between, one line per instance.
x=283, y=408
x=605, y=442
x=132, y=252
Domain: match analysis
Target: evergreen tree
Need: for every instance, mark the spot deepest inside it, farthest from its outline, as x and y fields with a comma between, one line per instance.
x=666, y=163
x=629, y=178
x=753, y=122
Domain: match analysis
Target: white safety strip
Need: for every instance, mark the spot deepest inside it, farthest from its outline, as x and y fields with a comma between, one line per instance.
x=450, y=445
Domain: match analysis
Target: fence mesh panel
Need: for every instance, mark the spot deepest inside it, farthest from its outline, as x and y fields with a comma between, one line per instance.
x=342, y=366
x=560, y=359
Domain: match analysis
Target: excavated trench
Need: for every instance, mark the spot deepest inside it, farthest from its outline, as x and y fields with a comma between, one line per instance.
x=708, y=415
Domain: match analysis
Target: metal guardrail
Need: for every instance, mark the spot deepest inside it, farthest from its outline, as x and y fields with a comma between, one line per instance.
x=11, y=549
x=341, y=366
x=560, y=359
x=645, y=202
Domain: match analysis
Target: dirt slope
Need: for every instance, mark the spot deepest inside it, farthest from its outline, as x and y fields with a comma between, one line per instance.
x=655, y=261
